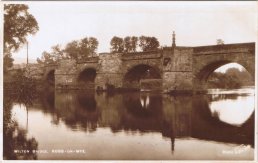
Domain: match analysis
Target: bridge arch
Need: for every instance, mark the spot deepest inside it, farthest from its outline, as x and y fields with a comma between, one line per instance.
x=138, y=73
x=206, y=59
x=205, y=71
x=86, y=78
x=49, y=77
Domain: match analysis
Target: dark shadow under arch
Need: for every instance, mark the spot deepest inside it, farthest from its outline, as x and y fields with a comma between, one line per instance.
x=86, y=78
x=50, y=77
x=139, y=72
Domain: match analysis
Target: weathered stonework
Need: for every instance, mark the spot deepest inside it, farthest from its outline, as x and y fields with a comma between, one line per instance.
x=178, y=71
x=110, y=71
x=179, y=68
x=65, y=74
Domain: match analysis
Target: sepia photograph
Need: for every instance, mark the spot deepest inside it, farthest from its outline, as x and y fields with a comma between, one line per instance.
x=129, y=80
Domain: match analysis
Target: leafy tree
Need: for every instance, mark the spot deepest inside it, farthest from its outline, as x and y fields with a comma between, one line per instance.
x=83, y=46
x=8, y=61
x=127, y=44
x=134, y=43
x=93, y=46
x=46, y=58
x=57, y=53
x=88, y=47
x=72, y=49
x=18, y=24
x=148, y=43
x=130, y=44
x=232, y=78
x=77, y=49
x=117, y=45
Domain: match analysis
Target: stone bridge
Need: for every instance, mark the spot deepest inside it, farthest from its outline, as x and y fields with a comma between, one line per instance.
x=173, y=68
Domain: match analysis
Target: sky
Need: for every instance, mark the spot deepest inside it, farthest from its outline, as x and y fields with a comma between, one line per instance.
x=195, y=23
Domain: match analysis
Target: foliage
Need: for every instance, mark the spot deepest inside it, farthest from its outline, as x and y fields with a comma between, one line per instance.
x=72, y=49
x=130, y=44
x=80, y=49
x=117, y=45
x=148, y=43
x=232, y=78
x=77, y=49
x=87, y=47
x=14, y=137
x=8, y=62
x=18, y=24
x=22, y=85
x=46, y=58
x=23, y=90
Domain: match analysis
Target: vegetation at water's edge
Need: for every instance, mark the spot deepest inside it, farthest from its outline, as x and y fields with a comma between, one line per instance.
x=233, y=78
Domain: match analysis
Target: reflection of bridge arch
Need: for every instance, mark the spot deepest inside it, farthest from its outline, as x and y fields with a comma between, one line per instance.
x=87, y=102
x=86, y=78
x=208, y=127
x=136, y=73
x=143, y=106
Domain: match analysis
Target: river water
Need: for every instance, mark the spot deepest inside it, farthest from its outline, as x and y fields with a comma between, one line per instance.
x=131, y=126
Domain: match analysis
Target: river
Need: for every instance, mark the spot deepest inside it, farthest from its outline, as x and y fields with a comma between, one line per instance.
x=83, y=125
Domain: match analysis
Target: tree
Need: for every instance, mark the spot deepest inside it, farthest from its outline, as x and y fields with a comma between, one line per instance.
x=117, y=45
x=127, y=44
x=46, y=58
x=72, y=50
x=77, y=49
x=88, y=47
x=18, y=24
x=130, y=44
x=57, y=53
x=93, y=46
x=148, y=43
x=83, y=46
x=8, y=61
x=134, y=43
x=232, y=78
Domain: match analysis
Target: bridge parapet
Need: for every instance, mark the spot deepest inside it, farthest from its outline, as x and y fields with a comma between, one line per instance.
x=89, y=60
x=226, y=48
x=142, y=55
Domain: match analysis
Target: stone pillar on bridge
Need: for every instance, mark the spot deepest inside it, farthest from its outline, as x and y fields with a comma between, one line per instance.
x=177, y=69
x=109, y=73
x=65, y=74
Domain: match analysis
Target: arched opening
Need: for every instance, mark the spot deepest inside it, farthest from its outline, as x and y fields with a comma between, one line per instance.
x=86, y=79
x=224, y=74
x=51, y=77
x=229, y=76
x=143, y=77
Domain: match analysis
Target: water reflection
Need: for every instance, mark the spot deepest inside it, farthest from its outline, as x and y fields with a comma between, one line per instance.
x=17, y=145
x=176, y=118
